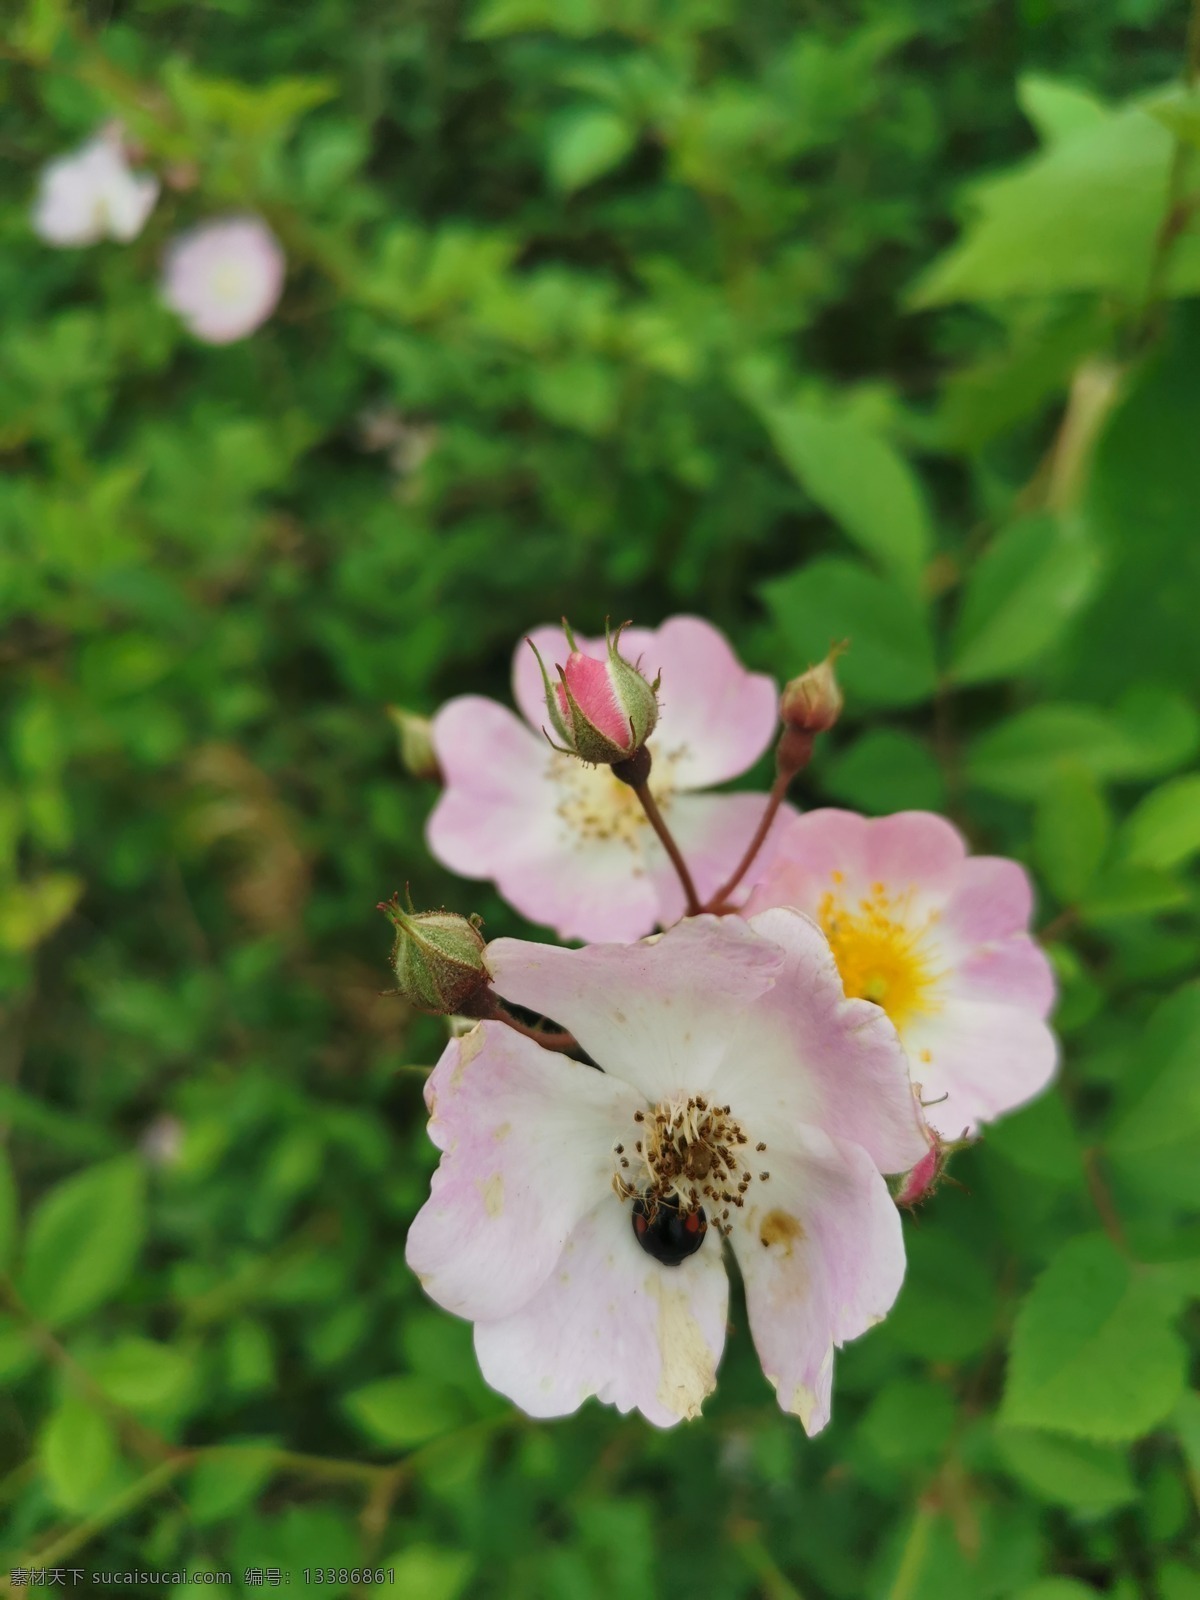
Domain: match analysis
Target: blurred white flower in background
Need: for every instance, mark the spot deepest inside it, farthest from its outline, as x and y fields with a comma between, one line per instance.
x=92, y=194
x=224, y=278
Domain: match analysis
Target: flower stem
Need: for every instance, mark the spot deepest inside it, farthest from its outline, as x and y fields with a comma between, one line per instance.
x=1180, y=208
x=774, y=800
x=548, y=1038
x=655, y=818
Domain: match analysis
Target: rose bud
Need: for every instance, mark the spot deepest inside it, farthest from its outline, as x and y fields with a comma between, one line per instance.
x=602, y=711
x=810, y=704
x=438, y=960
x=417, y=755
x=930, y=1172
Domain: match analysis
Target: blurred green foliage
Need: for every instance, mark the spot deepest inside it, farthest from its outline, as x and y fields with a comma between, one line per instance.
x=861, y=320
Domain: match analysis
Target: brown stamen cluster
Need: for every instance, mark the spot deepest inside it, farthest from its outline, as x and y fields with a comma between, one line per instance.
x=690, y=1153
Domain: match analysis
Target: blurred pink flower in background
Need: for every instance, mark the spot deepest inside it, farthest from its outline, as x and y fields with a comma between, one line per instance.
x=568, y=844
x=940, y=940
x=577, y=1217
x=224, y=278
x=92, y=194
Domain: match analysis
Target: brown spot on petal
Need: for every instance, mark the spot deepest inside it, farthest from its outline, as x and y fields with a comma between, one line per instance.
x=493, y=1195
x=780, y=1227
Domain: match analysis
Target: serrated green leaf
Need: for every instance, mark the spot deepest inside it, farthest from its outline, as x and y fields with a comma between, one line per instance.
x=1093, y=1351
x=405, y=1411
x=83, y=1240
x=861, y=479
x=1081, y=215
x=1071, y=831
x=890, y=660
x=1033, y=578
x=1166, y=1110
x=1058, y=109
x=584, y=144
x=143, y=1375
x=1163, y=831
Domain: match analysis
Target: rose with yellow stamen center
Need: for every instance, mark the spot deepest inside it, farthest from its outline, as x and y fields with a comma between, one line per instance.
x=881, y=945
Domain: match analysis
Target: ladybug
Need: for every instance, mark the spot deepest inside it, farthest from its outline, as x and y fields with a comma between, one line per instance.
x=666, y=1233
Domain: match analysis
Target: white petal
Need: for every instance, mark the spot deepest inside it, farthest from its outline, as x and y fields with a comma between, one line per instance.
x=527, y=1141
x=612, y=1322
x=975, y=1060
x=658, y=1014
x=821, y=1252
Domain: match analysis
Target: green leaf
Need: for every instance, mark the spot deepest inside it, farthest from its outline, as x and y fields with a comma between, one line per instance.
x=1178, y=109
x=1166, y=1110
x=885, y=770
x=1071, y=831
x=143, y=1375
x=1033, y=578
x=584, y=144
x=890, y=660
x=1093, y=1350
x=1021, y=757
x=1057, y=1588
x=227, y=1481
x=30, y=912
x=1164, y=829
x=1058, y=109
x=1128, y=891
x=947, y=1308
x=9, y=1219
x=861, y=479
x=1083, y=214
x=423, y=1569
x=78, y=1454
x=1067, y=1472
x=399, y=1412
x=83, y=1240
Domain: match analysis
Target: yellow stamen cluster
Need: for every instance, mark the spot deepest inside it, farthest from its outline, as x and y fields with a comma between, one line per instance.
x=882, y=949
x=692, y=1152
x=595, y=806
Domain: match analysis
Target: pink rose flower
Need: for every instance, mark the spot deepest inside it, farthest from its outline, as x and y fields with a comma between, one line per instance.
x=940, y=940
x=578, y=1217
x=224, y=278
x=92, y=194
x=568, y=844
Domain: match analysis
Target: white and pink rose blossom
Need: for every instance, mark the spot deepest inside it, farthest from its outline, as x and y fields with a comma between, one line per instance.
x=93, y=193
x=224, y=278
x=568, y=844
x=578, y=1217
x=940, y=940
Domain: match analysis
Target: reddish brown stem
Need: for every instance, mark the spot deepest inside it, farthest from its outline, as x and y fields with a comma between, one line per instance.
x=655, y=818
x=774, y=800
x=548, y=1038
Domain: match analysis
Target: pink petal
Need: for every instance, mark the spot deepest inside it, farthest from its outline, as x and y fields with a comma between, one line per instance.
x=715, y=718
x=915, y=848
x=822, y=1258
x=610, y=1321
x=809, y=850
x=712, y=831
x=592, y=690
x=804, y=1054
x=657, y=1014
x=992, y=899
x=984, y=1059
x=527, y=1141
x=1013, y=971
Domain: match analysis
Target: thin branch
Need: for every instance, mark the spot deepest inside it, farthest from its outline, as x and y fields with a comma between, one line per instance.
x=655, y=818
x=548, y=1038
x=774, y=800
x=1180, y=208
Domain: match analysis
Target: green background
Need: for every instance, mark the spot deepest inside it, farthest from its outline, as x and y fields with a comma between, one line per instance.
x=867, y=319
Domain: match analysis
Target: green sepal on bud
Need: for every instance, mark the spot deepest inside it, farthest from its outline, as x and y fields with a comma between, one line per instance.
x=602, y=711
x=417, y=754
x=438, y=960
